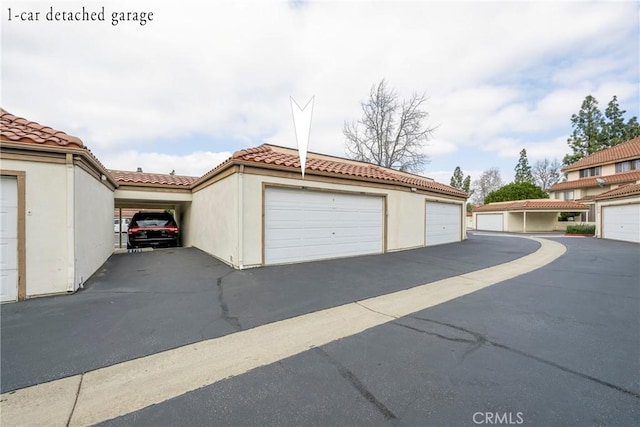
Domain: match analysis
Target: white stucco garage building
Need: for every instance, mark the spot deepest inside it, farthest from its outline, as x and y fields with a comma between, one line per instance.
x=56, y=210
x=341, y=208
x=618, y=214
x=254, y=209
x=523, y=215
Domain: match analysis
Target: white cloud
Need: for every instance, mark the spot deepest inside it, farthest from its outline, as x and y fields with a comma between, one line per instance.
x=499, y=75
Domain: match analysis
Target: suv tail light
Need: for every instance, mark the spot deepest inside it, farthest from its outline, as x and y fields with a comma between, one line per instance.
x=172, y=229
x=132, y=230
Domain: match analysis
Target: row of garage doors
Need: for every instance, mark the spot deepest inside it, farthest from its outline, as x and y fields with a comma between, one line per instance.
x=305, y=225
x=619, y=222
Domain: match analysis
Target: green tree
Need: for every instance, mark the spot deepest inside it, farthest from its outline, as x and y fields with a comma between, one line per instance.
x=523, y=169
x=459, y=181
x=632, y=129
x=587, y=136
x=593, y=131
x=466, y=185
x=457, y=178
x=516, y=191
x=616, y=130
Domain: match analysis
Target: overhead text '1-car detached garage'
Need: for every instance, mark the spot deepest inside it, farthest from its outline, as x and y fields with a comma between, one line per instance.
x=256, y=209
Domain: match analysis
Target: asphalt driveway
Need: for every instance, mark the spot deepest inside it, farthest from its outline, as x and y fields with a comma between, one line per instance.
x=559, y=345
x=142, y=303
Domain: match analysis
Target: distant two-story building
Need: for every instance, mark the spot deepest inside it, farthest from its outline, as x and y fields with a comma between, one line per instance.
x=598, y=173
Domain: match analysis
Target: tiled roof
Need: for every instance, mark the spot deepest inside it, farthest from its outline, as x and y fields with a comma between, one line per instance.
x=624, y=151
x=323, y=164
x=586, y=199
x=532, y=205
x=624, y=191
x=618, y=178
x=126, y=177
x=17, y=129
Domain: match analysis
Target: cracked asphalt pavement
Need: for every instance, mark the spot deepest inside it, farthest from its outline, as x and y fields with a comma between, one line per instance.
x=556, y=346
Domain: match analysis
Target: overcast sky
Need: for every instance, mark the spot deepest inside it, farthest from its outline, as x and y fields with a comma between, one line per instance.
x=206, y=78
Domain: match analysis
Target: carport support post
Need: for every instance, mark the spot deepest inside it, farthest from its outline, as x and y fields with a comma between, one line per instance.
x=524, y=222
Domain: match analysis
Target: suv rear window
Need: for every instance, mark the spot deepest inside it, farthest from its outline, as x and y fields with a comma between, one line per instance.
x=152, y=220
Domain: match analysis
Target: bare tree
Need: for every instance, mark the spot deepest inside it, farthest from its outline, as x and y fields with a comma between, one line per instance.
x=489, y=181
x=391, y=132
x=546, y=173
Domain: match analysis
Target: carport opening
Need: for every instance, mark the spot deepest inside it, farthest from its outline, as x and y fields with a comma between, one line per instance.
x=122, y=220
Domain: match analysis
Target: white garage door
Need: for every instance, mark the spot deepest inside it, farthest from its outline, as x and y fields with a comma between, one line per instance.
x=621, y=222
x=489, y=222
x=443, y=223
x=8, y=238
x=303, y=225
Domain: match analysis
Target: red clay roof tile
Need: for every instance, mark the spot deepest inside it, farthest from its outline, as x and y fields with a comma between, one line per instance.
x=126, y=177
x=271, y=154
x=624, y=191
x=625, y=151
x=532, y=205
x=618, y=178
x=18, y=129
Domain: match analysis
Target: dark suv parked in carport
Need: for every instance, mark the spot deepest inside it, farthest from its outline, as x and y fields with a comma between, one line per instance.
x=152, y=229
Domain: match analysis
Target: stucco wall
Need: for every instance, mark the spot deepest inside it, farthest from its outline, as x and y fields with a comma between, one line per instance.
x=536, y=221
x=514, y=221
x=211, y=222
x=541, y=221
x=152, y=195
x=93, y=225
x=45, y=225
x=608, y=170
x=405, y=212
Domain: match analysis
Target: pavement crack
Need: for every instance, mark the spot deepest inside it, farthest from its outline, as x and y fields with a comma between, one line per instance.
x=375, y=311
x=231, y=320
x=434, y=334
x=555, y=365
x=75, y=402
x=357, y=384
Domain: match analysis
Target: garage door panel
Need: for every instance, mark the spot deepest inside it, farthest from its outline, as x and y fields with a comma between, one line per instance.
x=490, y=222
x=621, y=222
x=303, y=225
x=8, y=222
x=8, y=239
x=443, y=223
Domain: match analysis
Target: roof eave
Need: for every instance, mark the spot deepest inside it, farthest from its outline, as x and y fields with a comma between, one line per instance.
x=84, y=152
x=272, y=166
x=347, y=177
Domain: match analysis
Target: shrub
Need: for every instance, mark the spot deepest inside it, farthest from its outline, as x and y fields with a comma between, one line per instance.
x=516, y=191
x=581, y=229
